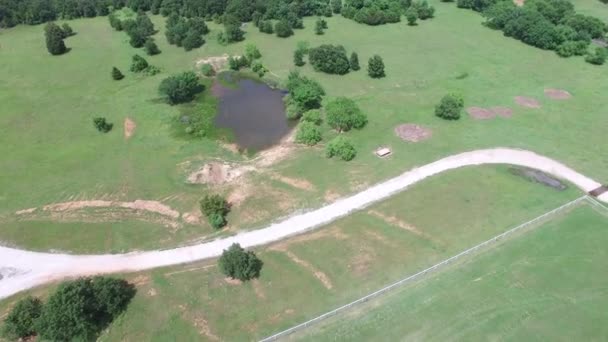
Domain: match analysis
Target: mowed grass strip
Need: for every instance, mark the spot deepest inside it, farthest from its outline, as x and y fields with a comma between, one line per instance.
x=357, y=255
x=548, y=284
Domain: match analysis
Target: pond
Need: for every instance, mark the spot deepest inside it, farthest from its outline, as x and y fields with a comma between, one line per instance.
x=252, y=111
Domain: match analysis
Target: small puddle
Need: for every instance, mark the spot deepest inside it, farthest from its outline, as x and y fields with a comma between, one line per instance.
x=252, y=111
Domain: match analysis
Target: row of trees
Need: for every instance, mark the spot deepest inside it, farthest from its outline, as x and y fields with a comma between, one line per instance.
x=77, y=310
x=332, y=59
x=140, y=31
x=388, y=11
x=546, y=24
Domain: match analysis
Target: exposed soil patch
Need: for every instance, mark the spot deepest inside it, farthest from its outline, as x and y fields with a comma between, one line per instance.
x=362, y=261
x=217, y=173
x=129, y=128
x=201, y=324
x=25, y=211
x=479, y=113
x=331, y=195
x=394, y=221
x=151, y=206
x=504, y=112
x=557, y=94
x=301, y=184
x=193, y=217
x=334, y=233
x=539, y=177
x=527, y=102
x=258, y=289
x=231, y=281
x=192, y=269
x=413, y=132
x=218, y=63
x=239, y=194
x=519, y=2
x=323, y=278
x=378, y=237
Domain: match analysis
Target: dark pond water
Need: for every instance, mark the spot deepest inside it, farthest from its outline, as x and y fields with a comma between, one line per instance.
x=253, y=111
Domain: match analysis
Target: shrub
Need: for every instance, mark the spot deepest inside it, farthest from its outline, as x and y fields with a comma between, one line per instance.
x=343, y=114
x=592, y=26
x=572, y=48
x=304, y=92
x=330, y=59
x=139, y=64
x=239, y=264
x=313, y=115
x=598, y=57
x=298, y=58
x=116, y=74
x=450, y=107
x=411, y=15
x=151, y=48
x=423, y=9
x=102, y=125
x=375, y=67
x=320, y=25
x=354, y=61
x=20, y=322
x=193, y=40
x=207, y=70
x=308, y=134
x=252, y=52
x=266, y=27
x=282, y=29
x=54, y=39
x=341, y=147
x=67, y=30
x=180, y=88
x=215, y=208
x=336, y=6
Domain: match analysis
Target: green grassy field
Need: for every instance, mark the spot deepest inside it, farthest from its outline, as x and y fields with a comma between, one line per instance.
x=547, y=284
x=313, y=273
x=51, y=152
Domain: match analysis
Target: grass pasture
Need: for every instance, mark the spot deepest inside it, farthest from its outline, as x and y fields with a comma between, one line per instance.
x=546, y=284
x=51, y=152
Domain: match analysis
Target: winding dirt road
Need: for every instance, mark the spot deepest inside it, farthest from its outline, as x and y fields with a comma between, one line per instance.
x=21, y=270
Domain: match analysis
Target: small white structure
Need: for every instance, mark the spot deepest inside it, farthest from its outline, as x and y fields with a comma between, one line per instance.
x=383, y=152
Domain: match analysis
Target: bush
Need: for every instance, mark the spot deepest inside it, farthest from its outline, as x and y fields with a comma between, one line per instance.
x=180, y=88
x=81, y=309
x=598, y=57
x=572, y=48
x=450, y=107
x=215, y=208
x=423, y=9
x=336, y=6
x=282, y=29
x=102, y=125
x=375, y=67
x=308, y=134
x=67, y=30
x=330, y=59
x=151, y=48
x=591, y=26
x=354, y=61
x=116, y=74
x=54, y=39
x=239, y=264
x=341, y=147
x=320, y=25
x=314, y=116
x=298, y=58
x=207, y=70
x=343, y=114
x=304, y=92
x=20, y=322
x=193, y=40
x=266, y=27
x=252, y=52
x=411, y=15
x=139, y=64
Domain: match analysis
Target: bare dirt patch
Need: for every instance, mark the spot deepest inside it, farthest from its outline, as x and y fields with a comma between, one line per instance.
x=297, y=183
x=334, y=233
x=527, y=102
x=362, y=261
x=378, y=237
x=504, y=112
x=412, y=132
x=193, y=217
x=258, y=289
x=519, y=2
x=394, y=221
x=129, y=128
x=143, y=205
x=557, y=94
x=322, y=277
x=480, y=113
x=140, y=280
x=231, y=281
x=217, y=173
x=201, y=324
x=25, y=211
x=218, y=62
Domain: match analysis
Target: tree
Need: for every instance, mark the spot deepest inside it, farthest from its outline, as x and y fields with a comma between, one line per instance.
x=341, y=147
x=193, y=40
x=239, y=264
x=139, y=64
x=207, y=70
x=116, y=74
x=598, y=57
x=336, y=6
x=180, y=88
x=266, y=27
x=375, y=67
x=102, y=125
x=308, y=134
x=67, y=30
x=411, y=15
x=144, y=25
x=80, y=309
x=354, y=61
x=313, y=115
x=215, y=208
x=423, y=9
x=151, y=47
x=282, y=29
x=450, y=107
x=343, y=114
x=304, y=93
x=319, y=26
x=298, y=58
x=252, y=52
x=54, y=39
x=330, y=59
x=137, y=39
x=20, y=322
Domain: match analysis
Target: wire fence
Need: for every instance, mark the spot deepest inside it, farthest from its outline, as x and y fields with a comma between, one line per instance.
x=430, y=269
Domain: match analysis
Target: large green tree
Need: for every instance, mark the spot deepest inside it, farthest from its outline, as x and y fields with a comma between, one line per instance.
x=54, y=39
x=20, y=322
x=180, y=88
x=240, y=264
x=375, y=67
x=343, y=114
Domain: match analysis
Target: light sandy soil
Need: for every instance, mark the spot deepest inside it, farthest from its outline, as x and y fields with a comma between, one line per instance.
x=143, y=205
x=129, y=128
x=34, y=268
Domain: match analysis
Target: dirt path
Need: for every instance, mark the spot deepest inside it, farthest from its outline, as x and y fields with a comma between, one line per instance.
x=32, y=268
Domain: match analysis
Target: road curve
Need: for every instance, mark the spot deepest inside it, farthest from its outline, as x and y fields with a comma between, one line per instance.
x=24, y=269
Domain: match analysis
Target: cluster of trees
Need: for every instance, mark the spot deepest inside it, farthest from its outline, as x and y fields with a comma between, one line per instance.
x=187, y=33
x=320, y=26
x=180, y=88
x=240, y=264
x=450, y=107
x=102, y=125
x=331, y=59
x=77, y=310
x=304, y=94
x=140, y=31
x=54, y=36
x=215, y=208
x=387, y=11
x=32, y=12
x=141, y=65
x=546, y=24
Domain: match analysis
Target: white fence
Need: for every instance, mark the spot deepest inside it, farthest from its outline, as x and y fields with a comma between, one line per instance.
x=425, y=271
